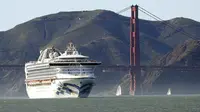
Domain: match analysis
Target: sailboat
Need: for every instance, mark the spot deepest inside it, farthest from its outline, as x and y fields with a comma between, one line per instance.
x=169, y=92
x=119, y=91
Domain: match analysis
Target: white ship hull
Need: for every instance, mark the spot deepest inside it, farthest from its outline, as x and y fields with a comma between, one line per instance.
x=65, y=88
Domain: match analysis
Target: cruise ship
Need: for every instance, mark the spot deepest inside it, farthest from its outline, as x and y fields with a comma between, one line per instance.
x=60, y=75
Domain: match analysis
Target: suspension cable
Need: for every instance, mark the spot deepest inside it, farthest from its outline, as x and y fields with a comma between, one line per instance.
x=168, y=24
x=123, y=10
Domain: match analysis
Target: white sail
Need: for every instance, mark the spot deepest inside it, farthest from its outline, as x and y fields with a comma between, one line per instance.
x=119, y=91
x=169, y=92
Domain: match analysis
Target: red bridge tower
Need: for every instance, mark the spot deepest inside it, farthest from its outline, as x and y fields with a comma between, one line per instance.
x=134, y=51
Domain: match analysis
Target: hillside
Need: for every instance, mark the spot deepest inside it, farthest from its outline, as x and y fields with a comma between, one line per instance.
x=181, y=82
x=102, y=35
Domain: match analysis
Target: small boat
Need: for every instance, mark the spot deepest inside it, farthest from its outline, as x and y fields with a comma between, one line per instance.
x=119, y=91
x=169, y=92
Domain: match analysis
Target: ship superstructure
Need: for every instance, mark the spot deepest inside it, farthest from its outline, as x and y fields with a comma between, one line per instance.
x=60, y=75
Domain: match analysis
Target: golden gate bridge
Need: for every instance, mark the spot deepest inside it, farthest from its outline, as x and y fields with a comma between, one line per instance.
x=134, y=67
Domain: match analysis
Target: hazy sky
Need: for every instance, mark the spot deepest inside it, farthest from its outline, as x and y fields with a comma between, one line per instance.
x=14, y=12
